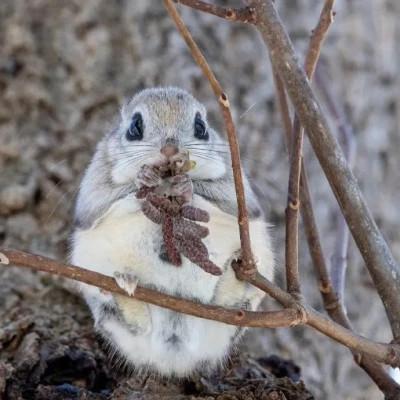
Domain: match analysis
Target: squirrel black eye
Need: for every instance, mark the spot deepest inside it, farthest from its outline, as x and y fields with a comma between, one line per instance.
x=200, y=129
x=135, y=130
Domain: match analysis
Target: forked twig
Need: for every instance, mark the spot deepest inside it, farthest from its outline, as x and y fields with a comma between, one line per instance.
x=294, y=314
x=272, y=319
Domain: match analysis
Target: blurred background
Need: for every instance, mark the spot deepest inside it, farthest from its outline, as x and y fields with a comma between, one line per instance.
x=66, y=68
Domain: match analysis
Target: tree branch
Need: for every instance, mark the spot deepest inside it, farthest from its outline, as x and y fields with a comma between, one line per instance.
x=243, y=220
x=245, y=14
x=293, y=200
x=294, y=314
x=384, y=270
x=333, y=303
x=272, y=319
x=385, y=353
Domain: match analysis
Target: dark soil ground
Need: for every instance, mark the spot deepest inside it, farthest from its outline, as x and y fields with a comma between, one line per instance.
x=49, y=350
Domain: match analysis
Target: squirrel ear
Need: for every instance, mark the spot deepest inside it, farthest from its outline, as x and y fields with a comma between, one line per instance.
x=123, y=110
x=125, y=118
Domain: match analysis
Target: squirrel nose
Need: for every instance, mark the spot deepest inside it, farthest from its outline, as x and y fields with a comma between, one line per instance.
x=170, y=148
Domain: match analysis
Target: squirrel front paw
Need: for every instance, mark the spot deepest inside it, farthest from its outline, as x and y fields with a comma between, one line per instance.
x=126, y=281
x=180, y=186
x=148, y=176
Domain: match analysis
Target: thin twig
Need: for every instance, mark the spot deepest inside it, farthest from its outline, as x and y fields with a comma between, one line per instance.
x=347, y=141
x=380, y=352
x=243, y=220
x=310, y=226
x=245, y=14
x=292, y=213
x=383, y=268
x=239, y=317
x=293, y=200
x=294, y=314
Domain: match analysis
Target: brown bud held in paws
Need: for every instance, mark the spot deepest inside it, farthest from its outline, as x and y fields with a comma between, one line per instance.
x=210, y=267
x=168, y=235
x=188, y=228
x=166, y=204
x=195, y=214
x=196, y=251
x=152, y=213
x=143, y=192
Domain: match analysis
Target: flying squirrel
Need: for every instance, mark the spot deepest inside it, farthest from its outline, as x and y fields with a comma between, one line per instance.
x=114, y=236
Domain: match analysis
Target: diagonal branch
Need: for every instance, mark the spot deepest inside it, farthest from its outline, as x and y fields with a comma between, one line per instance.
x=239, y=317
x=294, y=314
x=326, y=326
x=243, y=219
x=383, y=268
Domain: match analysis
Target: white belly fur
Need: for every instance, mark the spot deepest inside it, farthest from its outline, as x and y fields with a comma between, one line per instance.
x=125, y=238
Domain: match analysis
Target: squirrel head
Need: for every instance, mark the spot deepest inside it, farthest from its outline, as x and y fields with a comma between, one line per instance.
x=156, y=121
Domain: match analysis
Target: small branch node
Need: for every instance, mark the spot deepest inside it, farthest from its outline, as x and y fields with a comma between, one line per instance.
x=301, y=313
x=393, y=356
x=294, y=205
x=357, y=358
x=230, y=14
x=332, y=305
x=4, y=259
x=223, y=99
x=243, y=272
x=239, y=315
x=325, y=287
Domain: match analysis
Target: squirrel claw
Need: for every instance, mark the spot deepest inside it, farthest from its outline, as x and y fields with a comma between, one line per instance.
x=126, y=281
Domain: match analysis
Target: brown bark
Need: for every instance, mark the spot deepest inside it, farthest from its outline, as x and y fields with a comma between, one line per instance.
x=384, y=270
x=233, y=317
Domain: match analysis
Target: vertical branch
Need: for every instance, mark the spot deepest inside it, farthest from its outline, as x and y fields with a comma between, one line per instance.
x=292, y=213
x=247, y=262
x=293, y=201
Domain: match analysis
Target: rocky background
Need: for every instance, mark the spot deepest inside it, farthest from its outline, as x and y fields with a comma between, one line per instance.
x=65, y=69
